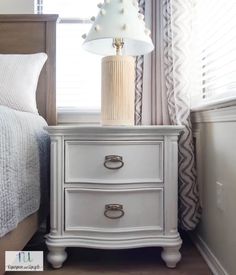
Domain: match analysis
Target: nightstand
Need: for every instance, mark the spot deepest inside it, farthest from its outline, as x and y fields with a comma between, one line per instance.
x=114, y=188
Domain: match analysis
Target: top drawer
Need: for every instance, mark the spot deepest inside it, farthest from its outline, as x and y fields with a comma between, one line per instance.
x=113, y=162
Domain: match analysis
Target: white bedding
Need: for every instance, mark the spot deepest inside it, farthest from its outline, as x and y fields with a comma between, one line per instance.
x=24, y=158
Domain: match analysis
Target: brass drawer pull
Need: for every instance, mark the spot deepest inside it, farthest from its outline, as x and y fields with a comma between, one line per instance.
x=113, y=208
x=113, y=159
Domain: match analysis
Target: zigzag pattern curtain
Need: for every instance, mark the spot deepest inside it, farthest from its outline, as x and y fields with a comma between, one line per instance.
x=177, y=16
x=139, y=78
x=175, y=49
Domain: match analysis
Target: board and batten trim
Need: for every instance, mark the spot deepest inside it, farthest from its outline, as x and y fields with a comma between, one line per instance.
x=211, y=260
x=227, y=114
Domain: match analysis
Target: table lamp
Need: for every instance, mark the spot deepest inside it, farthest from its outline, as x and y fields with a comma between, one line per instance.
x=118, y=33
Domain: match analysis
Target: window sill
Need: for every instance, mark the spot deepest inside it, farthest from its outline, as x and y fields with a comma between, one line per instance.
x=215, y=104
x=223, y=114
x=73, y=116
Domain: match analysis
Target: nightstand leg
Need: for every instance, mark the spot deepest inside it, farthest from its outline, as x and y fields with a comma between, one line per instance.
x=56, y=256
x=171, y=256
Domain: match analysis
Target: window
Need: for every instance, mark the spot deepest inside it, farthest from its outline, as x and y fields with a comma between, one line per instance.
x=78, y=71
x=215, y=51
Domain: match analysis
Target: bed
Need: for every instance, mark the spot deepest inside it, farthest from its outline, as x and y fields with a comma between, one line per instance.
x=29, y=34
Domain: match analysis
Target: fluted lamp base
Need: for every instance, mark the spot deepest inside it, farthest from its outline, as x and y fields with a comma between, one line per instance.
x=118, y=85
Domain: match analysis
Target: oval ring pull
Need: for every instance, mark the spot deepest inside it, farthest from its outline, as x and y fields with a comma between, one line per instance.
x=113, y=208
x=113, y=159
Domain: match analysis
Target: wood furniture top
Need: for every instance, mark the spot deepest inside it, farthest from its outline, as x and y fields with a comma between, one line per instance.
x=33, y=33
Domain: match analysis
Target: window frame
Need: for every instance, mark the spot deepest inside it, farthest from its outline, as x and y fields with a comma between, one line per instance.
x=72, y=115
x=75, y=116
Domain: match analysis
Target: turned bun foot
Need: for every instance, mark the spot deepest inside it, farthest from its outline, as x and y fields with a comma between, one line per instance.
x=56, y=256
x=171, y=256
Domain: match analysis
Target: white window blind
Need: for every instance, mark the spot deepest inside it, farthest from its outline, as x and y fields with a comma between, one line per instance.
x=39, y=6
x=78, y=72
x=215, y=45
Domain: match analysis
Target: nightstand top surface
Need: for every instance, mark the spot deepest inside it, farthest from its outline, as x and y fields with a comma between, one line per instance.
x=98, y=129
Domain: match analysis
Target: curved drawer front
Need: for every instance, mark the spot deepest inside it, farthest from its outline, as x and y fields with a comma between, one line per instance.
x=113, y=162
x=113, y=211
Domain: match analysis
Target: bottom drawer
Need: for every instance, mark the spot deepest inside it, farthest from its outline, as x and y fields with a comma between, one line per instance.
x=105, y=210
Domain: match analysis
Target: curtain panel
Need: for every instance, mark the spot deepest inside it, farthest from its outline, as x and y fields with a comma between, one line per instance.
x=165, y=97
x=177, y=37
x=139, y=78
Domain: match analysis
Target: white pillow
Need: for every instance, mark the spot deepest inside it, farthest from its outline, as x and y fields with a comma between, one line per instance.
x=19, y=75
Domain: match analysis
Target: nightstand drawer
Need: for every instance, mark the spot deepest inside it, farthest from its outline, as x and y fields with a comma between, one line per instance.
x=113, y=210
x=113, y=162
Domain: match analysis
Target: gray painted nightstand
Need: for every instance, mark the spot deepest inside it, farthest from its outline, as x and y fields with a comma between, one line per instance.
x=114, y=188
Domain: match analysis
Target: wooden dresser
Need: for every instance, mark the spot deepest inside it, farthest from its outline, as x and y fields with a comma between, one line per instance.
x=114, y=188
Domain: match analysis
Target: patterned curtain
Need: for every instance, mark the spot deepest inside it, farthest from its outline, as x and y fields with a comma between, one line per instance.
x=139, y=78
x=175, y=73
x=177, y=16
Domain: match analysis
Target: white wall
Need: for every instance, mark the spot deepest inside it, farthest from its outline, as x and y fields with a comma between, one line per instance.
x=17, y=6
x=218, y=163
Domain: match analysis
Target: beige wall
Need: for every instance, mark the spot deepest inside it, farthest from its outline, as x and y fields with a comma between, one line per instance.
x=217, y=154
x=17, y=6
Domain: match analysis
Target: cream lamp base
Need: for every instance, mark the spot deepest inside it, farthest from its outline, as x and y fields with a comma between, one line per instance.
x=118, y=84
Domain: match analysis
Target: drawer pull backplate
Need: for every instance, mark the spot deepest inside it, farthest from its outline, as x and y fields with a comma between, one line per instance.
x=113, y=159
x=111, y=208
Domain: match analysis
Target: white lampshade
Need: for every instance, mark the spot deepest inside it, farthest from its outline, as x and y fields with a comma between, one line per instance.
x=119, y=19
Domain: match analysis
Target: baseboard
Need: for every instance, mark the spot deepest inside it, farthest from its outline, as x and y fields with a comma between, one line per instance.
x=211, y=260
